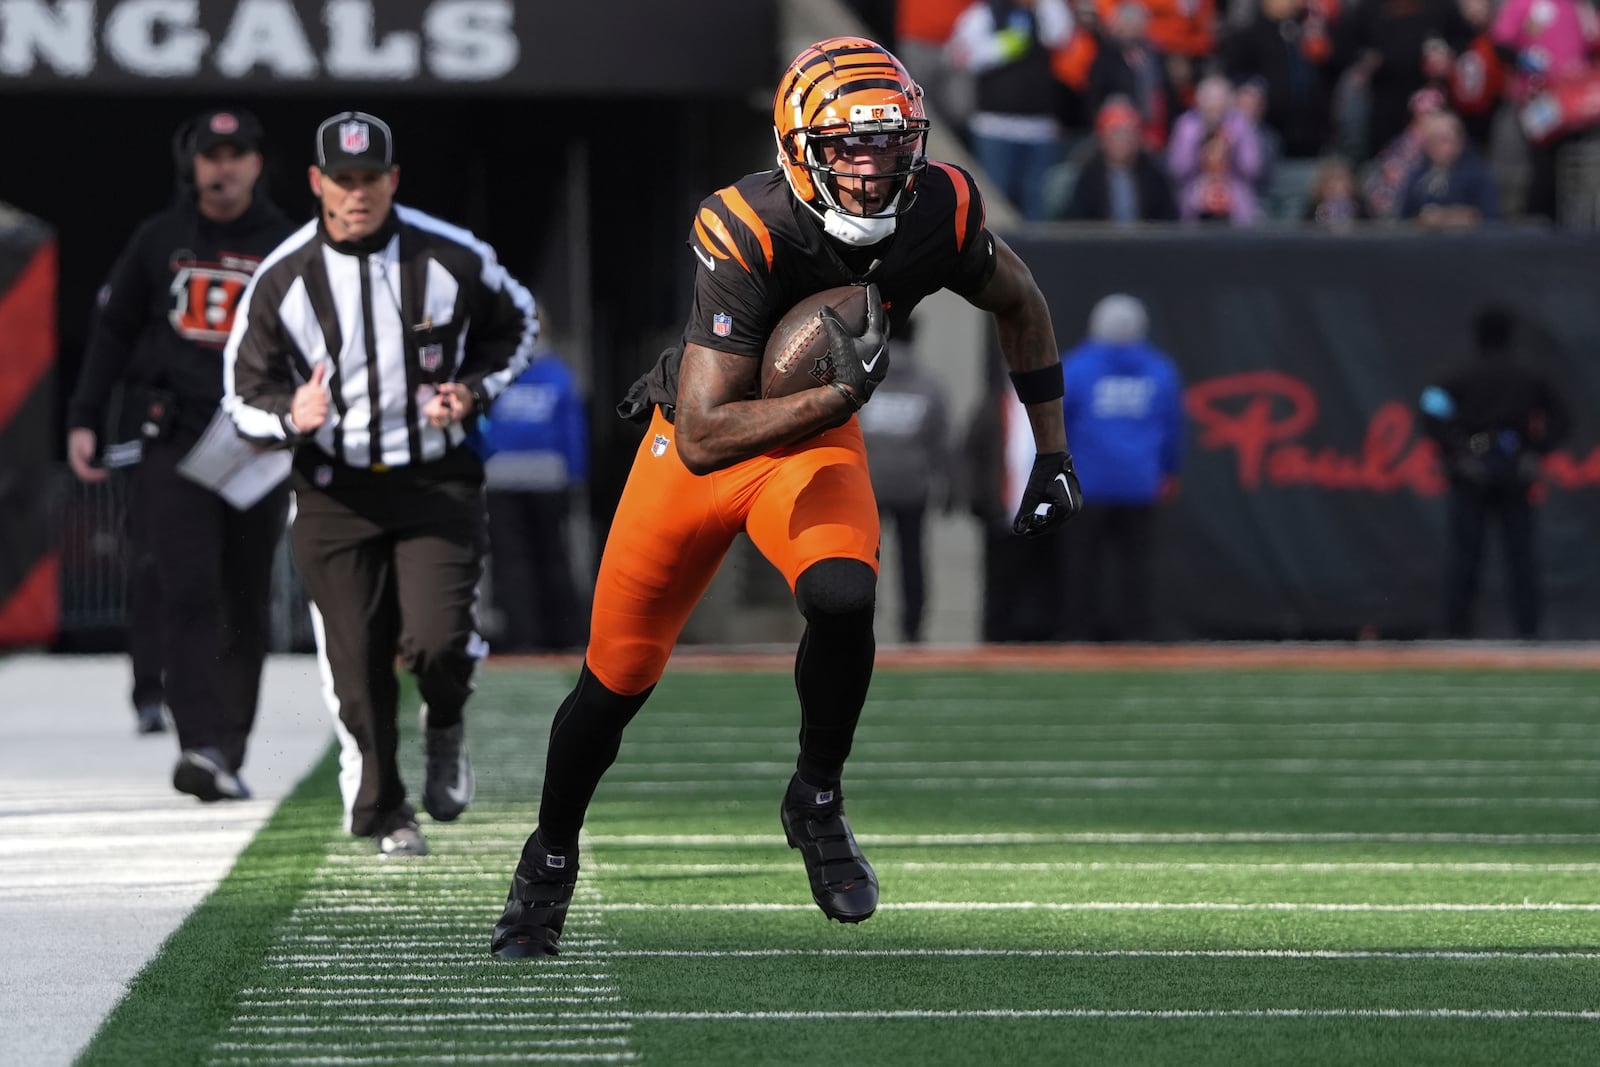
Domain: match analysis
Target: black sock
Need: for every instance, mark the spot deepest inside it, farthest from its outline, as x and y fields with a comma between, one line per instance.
x=832, y=671
x=808, y=794
x=584, y=740
x=537, y=855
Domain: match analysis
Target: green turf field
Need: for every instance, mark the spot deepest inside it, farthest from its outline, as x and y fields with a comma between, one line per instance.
x=1274, y=867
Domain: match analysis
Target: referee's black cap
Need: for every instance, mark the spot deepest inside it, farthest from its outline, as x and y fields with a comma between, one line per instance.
x=354, y=140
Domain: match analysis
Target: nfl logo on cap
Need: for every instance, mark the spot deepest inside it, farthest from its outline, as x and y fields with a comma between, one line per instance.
x=721, y=325
x=353, y=137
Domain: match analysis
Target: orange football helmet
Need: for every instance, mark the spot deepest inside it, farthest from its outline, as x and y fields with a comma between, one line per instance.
x=852, y=136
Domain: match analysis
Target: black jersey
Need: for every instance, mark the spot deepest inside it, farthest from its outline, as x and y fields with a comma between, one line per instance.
x=167, y=307
x=760, y=252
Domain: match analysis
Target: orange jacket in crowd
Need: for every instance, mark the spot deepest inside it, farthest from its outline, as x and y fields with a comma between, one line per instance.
x=929, y=21
x=1177, y=27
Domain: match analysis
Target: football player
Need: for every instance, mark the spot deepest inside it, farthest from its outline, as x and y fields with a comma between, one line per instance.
x=854, y=200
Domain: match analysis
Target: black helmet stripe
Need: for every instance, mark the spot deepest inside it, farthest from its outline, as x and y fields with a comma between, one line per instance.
x=855, y=86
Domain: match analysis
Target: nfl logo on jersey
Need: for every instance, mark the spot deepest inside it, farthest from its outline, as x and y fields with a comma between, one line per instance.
x=431, y=357
x=721, y=325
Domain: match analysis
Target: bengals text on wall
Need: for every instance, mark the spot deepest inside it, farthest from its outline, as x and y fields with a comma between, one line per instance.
x=408, y=46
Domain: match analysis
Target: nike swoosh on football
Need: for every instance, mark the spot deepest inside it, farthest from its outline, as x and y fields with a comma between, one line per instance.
x=875, y=357
x=710, y=263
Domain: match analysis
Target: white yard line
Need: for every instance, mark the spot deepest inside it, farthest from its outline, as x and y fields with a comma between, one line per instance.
x=1242, y=837
x=1459, y=1014
x=425, y=915
x=1442, y=955
x=964, y=770
x=1129, y=905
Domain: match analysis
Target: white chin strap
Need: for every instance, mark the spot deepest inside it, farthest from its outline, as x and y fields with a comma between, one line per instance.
x=855, y=229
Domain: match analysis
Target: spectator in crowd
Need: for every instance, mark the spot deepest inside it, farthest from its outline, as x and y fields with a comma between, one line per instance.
x=1215, y=158
x=1492, y=419
x=922, y=28
x=1477, y=84
x=1386, y=177
x=1183, y=33
x=1334, y=202
x=407, y=328
x=1073, y=62
x=164, y=315
x=1397, y=48
x=1545, y=41
x=1289, y=46
x=1219, y=190
x=1127, y=66
x=1015, y=127
x=906, y=429
x=1121, y=182
x=1250, y=101
x=1124, y=405
x=537, y=446
x=1453, y=187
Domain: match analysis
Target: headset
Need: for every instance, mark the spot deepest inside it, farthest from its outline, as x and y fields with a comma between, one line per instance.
x=183, y=141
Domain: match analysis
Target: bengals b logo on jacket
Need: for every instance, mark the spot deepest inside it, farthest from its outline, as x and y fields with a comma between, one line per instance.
x=205, y=297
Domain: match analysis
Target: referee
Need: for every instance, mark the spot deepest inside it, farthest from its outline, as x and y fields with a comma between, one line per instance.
x=365, y=341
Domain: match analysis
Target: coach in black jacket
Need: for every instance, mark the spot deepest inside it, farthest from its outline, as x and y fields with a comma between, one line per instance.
x=365, y=341
x=164, y=316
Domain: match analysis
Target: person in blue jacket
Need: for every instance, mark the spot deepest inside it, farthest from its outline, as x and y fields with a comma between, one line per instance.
x=1124, y=414
x=536, y=443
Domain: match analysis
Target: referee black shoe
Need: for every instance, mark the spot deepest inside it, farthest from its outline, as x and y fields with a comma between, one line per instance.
x=842, y=882
x=448, y=784
x=536, y=907
x=150, y=718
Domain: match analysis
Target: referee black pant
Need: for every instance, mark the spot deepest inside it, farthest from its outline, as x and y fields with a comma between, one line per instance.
x=214, y=565
x=391, y=562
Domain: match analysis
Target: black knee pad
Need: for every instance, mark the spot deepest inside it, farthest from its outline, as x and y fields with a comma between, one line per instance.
x=836, y=587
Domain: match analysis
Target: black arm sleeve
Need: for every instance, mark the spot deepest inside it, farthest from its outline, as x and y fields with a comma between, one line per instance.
x=113, y=336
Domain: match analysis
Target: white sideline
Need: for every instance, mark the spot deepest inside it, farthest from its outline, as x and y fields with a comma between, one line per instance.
x=100, y=860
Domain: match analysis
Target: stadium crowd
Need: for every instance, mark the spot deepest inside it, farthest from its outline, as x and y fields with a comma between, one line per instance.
x=1447, y=112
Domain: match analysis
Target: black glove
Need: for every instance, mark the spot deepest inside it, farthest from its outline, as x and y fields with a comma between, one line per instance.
x=859, y=363
x=1051, y=496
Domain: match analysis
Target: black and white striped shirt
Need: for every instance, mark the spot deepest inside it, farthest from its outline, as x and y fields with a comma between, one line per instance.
x=419, y=303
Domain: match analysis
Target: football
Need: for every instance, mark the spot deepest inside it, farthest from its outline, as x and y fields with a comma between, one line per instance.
x=796, y=357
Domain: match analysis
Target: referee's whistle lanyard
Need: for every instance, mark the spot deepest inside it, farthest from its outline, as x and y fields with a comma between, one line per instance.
x=419, y=335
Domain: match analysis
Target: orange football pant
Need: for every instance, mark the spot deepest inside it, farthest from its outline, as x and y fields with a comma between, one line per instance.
x=802, y=504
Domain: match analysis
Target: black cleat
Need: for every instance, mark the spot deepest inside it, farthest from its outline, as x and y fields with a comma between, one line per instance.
x=842, y=882
x=203, y=773
x=536, y=907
